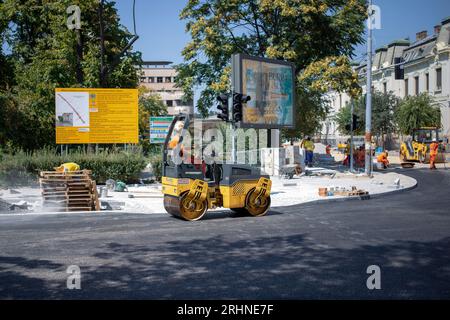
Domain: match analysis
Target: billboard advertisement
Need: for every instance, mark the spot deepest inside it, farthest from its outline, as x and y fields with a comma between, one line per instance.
x=271, y=86
x=85, y=115
x=159, y=128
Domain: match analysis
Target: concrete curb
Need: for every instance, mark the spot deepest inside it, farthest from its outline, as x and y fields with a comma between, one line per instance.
x=372, y=196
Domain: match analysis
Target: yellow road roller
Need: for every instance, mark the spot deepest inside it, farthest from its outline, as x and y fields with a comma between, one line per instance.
x=192, y=185
x=418, y=148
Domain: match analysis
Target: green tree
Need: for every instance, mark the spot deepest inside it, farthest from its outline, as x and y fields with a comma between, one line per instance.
x=45, y=54
x=314, y=35
x=384, y=106
x=150, y=105
x=417, y=111
x=314, y=110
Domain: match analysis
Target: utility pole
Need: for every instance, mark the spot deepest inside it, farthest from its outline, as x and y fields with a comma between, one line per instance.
x=351, y=135
x=368, y=133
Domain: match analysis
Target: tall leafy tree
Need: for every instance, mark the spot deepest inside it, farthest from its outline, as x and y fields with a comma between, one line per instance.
x=150, y=105
x=417, y=111
x=309, y=119
x=313, y=34
x=384, y=106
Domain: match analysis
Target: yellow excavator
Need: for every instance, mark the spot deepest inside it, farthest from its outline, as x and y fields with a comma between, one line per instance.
x=191, y=186
x=418, y=147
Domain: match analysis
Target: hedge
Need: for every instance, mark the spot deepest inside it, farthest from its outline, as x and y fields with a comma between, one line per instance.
x=22, y=168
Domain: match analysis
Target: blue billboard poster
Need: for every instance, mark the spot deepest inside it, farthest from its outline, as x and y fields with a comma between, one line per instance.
x=271, y=86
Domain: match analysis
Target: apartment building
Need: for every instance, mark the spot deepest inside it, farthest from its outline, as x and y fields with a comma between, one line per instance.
x=426, y=69
x=159, y=76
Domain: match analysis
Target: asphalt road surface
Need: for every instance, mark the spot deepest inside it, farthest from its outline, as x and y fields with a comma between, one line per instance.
x=318, y=251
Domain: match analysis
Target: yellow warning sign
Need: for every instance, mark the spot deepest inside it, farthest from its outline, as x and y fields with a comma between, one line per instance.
x=96, y=115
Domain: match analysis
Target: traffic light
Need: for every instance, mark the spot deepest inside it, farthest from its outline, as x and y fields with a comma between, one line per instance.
x=223, y=107
x=398, y=69
x=355, y=122
x=238, y=100
x=348, y=128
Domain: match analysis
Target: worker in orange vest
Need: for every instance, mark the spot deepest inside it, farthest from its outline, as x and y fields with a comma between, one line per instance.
x=383, y=158
x=433, y=153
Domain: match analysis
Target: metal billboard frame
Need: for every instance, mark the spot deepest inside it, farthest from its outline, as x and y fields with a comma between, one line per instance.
x=237, y=86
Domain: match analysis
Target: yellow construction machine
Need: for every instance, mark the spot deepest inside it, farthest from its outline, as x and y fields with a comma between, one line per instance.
x=192, y=185
x=418, y=147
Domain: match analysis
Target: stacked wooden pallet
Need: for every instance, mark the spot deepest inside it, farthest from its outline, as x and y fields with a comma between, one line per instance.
x=69, y=191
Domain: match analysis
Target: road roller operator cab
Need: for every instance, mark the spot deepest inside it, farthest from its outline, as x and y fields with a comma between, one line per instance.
x=192, y=185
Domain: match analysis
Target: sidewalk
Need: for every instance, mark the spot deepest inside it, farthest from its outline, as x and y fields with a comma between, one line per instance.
x=148, y=199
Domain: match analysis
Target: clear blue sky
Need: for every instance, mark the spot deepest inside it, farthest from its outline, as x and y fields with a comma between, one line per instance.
x=162, y=35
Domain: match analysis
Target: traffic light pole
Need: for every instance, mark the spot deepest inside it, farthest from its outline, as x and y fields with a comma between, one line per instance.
x=232, y=128
x=368, y=135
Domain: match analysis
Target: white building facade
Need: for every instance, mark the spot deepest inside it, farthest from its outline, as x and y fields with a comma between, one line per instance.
x=426, y=69
x=159, y=77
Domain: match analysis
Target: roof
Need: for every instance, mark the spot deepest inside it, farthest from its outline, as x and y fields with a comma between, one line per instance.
x=156, y=63
x=410, y=52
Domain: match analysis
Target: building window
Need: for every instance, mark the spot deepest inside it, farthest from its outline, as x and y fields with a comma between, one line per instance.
x=406, y=87
x=159, y=79
x=151, y=79
x=427, y=82
x=416, y=85
x=178, y=102
x=384, y=87
x=143, y=79
x=438, y=79
x=168, y=79
x=169, y=103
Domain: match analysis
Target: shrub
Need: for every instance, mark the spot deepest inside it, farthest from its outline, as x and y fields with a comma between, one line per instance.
x=22, y=168
x=156, y=163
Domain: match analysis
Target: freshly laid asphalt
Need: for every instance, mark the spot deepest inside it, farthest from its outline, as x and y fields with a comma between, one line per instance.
x=311, y=251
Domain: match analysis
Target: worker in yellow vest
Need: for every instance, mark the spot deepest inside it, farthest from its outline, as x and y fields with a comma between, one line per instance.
x=68, y=167
x=308, y=146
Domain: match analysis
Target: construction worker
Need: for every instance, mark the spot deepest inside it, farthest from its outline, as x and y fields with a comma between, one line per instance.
x=360, y=156
x=328, y=149
x=434, y=146
x=308, y=146
x=68, y=167
x=346, y=161
x=383, y=158
x=176, y=133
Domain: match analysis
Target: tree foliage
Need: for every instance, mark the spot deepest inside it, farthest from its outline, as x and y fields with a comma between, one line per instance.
x=44, y=54
x=384, y=106
x=309, y=119
x=417, y=111
x=313, y=34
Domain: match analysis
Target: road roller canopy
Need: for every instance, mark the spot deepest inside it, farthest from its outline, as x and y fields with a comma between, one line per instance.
x=425, y=135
